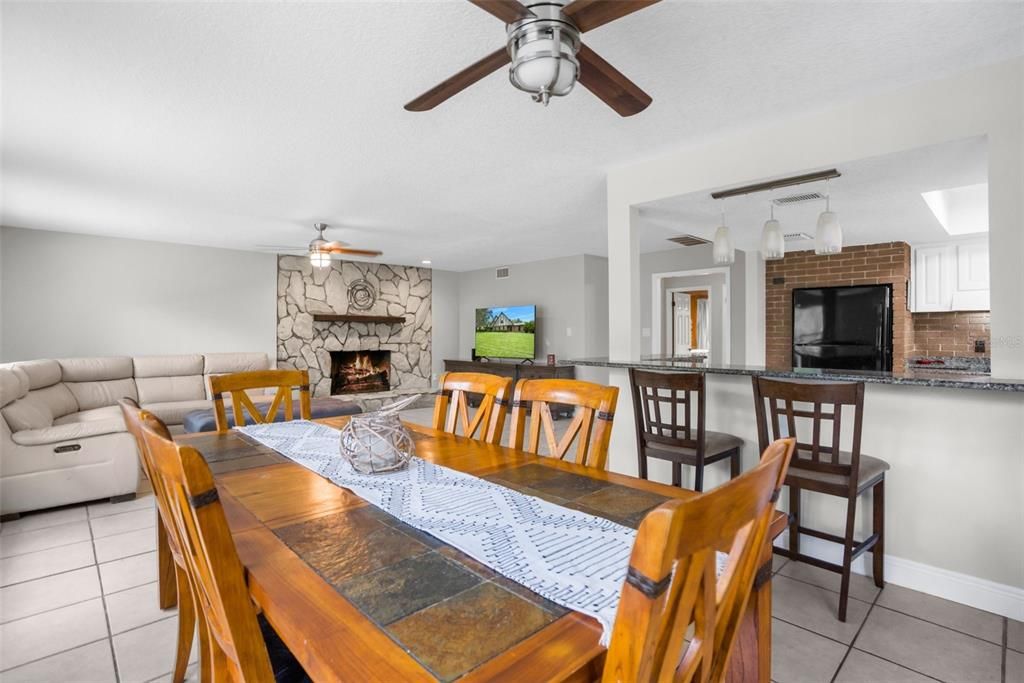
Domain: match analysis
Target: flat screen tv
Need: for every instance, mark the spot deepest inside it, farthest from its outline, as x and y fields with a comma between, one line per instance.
x=506, y=332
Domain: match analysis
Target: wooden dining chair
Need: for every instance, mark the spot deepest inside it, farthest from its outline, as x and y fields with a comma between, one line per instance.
x=239, y=646
x=594, y=411
x=820, y=465
x=451, y=408
x=669, y=413
x=672, y=583
x=238, y=384
x=134, y=419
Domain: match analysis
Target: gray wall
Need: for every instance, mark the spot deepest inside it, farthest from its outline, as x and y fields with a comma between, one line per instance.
x=67, y=294
x=445, y=325
x=571, y=295
x=695, y=258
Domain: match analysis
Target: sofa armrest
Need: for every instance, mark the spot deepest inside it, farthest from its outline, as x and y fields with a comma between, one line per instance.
x=67, y=432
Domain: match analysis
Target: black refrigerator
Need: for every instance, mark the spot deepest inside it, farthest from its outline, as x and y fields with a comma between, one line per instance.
x=843, y=328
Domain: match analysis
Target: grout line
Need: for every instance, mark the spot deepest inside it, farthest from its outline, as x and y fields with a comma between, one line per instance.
x=855, y=636
x=894, y=663
x=52, y=609
x=54, y=654
x=47, y=576
x=52, y=547
x=106, y=616
x=948, y=628
x=804, y=628
x=1006, y=639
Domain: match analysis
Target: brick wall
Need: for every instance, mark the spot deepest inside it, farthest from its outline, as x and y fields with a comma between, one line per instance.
x=872, y=264
x=951, y=334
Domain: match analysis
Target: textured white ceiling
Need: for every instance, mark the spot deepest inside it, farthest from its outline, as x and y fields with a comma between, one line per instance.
x=877, y=199
x=237, y=124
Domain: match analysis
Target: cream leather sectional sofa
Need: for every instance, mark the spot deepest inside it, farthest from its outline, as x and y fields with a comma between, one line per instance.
x=62, y=438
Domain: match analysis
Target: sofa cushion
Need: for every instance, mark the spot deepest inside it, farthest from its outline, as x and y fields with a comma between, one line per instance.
x=168, y=366
x=92, y=415
x=13, y=385
x=96, y=369
x=227, y=363
x=41, y=373
x=68, y=432
x=204, y=420
x=166, y=389
x=27, y=413
x=101, y=394
x=58, y=398
x=174, y=412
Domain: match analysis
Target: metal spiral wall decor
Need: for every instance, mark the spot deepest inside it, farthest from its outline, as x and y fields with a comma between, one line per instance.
x=361, y=295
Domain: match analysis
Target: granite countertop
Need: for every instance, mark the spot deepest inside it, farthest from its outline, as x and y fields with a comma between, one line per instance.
x=949, y=379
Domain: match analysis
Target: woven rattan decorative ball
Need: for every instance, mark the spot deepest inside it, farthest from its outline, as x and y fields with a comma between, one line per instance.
x=378, y=441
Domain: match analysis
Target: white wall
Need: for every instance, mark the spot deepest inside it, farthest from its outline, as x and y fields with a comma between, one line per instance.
x=564, y=291
x=444, y=330
x=78, y=295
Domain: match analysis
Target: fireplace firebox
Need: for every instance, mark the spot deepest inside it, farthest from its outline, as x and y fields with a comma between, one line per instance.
x=356, y=372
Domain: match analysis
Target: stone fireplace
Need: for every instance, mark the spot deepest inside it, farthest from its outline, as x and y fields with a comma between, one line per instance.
x=380, y=311
x=354, y=372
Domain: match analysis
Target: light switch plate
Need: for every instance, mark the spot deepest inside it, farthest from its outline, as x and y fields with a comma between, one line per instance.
x=645, y=332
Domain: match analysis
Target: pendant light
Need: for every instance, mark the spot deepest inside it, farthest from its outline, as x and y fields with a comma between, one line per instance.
x=773, y=243
x=722, y=250
x=828, y=238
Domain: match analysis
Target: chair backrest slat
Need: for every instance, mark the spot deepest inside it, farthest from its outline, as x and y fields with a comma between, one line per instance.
x=451, y=407
x=811, y=401
x=684, y=393
x=590, y=428
x=239, y=383
x=672, y=584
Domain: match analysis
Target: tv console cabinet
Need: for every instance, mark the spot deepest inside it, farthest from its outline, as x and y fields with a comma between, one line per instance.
x=516, y=371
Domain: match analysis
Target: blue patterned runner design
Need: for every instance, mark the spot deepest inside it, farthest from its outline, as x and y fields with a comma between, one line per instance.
x=574, y=559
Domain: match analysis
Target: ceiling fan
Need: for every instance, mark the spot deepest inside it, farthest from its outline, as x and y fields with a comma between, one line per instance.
x=320, y=250
x=547, y=57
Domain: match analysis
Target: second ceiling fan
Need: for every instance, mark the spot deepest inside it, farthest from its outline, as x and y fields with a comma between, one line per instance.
x=547, y=56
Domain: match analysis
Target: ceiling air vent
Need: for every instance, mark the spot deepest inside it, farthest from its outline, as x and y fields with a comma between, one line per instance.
x=689, y=240
x=799, y=198
x=501, y=273
x=796, y=236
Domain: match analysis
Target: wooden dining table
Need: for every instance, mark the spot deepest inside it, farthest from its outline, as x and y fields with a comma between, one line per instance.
x=357, y=595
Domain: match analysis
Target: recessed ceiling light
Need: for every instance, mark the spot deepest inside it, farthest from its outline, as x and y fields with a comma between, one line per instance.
x=425, y=262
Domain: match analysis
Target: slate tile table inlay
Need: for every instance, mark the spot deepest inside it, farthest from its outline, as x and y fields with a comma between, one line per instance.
x=335, y=575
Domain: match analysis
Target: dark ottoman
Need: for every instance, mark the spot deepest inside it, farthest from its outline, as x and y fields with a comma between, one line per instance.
x=204, y=421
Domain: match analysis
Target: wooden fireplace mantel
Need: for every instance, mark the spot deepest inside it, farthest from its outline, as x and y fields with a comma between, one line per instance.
x=350, y=318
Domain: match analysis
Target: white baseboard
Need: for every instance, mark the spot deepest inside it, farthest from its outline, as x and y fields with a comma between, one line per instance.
x=998, y=598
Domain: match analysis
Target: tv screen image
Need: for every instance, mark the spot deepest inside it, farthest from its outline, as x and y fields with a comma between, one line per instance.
x=506, y=331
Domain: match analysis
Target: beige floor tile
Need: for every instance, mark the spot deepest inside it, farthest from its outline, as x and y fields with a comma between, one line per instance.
x=1014, y=667
x=135, y=607
x=191, y=676
x=861, y=587
x=944, y=613
x=91, y=663
x=1015, y=635
x=802, y=657
x=930, y=649
x=816, y=609
x=51, y=632
x=124, y=545
x=128, y=572
x=860, y=667
x=147, y=652
x=104, y=509
x=123, y=522
x=42, y=539
x=41, y=520
x=45, y=562
x=32, y=597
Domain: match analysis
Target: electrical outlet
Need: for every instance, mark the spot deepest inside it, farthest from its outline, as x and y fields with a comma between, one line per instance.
x=979, y=346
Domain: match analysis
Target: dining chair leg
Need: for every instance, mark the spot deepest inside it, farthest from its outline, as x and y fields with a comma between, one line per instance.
x=186, y=625
x=677, y=474
x=878, y=527
x=848, y=542
x=734, y=464
x=794, y=522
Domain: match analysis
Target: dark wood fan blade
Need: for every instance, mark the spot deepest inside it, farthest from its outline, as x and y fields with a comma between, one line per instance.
x=330, y=247
x=460, y=81
x=589, y=14
x=509, y=11
x=608, y=83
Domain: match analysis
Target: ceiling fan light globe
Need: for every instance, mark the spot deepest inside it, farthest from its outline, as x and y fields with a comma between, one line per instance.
x=773, y=242
x=541, y=65
x=828, y=238
x=320, y=259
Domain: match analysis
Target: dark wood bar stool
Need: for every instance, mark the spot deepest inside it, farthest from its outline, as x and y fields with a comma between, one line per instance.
x=821, y=466
x=681, y=439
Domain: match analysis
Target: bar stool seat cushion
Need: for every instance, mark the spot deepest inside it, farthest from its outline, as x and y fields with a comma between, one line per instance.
x=717, y=445
x=871, y=470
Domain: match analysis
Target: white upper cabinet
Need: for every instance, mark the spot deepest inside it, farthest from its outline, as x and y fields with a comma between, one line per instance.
x=952, y=276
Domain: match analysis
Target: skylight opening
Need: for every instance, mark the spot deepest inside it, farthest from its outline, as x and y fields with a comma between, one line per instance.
x=960, y=210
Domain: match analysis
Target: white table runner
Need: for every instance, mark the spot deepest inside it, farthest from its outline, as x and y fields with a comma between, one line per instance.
x=571, y=558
